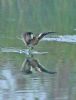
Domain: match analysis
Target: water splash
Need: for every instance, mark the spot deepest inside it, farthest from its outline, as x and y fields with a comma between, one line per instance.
x=62, y=38
x=57, y=38
x=25, y=51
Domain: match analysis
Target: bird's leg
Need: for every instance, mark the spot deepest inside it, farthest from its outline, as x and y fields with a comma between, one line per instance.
x=29, y=51
x=31, y=47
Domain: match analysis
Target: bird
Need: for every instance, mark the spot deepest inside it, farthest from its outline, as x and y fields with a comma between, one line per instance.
x=30, y=40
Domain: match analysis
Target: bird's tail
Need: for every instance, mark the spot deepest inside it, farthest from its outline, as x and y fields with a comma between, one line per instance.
x=43, y=34
x=45, y=70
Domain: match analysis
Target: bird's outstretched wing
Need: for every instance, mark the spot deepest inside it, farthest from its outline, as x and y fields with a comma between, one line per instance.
x=41, y=35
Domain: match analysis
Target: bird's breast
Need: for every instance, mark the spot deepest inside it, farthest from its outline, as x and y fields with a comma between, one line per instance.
x=34, y=41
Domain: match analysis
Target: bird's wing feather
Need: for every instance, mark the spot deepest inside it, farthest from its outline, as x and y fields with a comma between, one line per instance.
x=41, y=35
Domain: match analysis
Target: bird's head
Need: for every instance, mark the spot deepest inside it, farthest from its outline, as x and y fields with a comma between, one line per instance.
x=27, y=34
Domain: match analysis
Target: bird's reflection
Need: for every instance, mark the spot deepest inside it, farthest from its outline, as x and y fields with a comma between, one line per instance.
x=31, y=63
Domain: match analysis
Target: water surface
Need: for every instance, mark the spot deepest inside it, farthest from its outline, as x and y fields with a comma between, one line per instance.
x=54, y=52
x=39, y=86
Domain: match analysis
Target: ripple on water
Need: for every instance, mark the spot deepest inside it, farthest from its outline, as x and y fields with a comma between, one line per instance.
x=25, y=51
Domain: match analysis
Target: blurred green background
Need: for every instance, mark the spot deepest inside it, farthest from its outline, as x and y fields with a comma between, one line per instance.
x=18, y=16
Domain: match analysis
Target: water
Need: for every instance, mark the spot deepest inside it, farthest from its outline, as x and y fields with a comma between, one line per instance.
x=38, y=85
x=62, y=38
x=24, y=87
x=55, y=52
